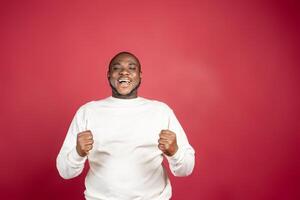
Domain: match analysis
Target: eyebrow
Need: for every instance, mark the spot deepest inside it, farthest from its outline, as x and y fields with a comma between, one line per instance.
x=116, y=63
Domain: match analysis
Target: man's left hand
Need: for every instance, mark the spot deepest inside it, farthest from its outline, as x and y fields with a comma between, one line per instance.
x=167, y=142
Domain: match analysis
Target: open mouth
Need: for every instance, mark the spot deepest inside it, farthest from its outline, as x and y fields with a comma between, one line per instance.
x=124, y=82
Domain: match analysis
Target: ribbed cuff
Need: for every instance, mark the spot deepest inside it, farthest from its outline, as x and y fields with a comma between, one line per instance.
x=177, y=157
x=75, y=158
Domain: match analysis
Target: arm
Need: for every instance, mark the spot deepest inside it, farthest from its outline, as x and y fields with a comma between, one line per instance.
x=181, y=157
x=69, y=163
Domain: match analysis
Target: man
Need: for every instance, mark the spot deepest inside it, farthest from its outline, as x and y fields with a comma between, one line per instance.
x=124, y=138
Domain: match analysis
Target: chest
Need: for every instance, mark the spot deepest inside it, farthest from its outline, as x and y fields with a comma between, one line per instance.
x=126, y=128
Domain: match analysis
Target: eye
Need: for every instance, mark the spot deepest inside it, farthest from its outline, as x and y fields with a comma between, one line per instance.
x=115, y=67
x=132, y=66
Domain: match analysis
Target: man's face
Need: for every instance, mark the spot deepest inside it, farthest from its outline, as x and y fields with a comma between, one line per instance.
x=124, y=76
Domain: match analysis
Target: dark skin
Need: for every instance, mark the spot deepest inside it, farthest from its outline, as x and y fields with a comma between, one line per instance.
x=84, y=143
x=124, y=67
x=124, y=76
x=167, y=142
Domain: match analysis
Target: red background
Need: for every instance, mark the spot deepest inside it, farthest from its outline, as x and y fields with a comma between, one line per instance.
x=229, y=69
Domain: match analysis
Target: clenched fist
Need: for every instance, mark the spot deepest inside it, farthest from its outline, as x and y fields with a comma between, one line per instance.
x=84, y=143
x=167, y=142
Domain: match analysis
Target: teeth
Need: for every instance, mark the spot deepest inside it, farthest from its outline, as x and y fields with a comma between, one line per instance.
x=124, y=80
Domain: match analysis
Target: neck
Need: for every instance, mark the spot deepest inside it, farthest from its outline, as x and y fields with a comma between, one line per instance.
x=128, y=96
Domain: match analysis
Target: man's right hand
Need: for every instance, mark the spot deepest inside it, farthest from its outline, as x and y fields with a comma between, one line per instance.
x=84, y=143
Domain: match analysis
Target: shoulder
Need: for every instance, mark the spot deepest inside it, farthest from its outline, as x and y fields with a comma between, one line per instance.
x=91, y=105
x=160, y=105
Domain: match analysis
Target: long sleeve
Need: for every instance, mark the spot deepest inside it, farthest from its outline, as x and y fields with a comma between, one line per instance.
x=68, y=162
x=183, y=161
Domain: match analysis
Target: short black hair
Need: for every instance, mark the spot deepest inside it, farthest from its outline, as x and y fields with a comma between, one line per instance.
x=127, y=53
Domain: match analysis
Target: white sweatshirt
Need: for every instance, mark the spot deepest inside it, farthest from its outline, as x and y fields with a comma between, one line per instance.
x=125, y=162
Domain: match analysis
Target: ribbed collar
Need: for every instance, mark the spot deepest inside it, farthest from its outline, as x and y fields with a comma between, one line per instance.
x=125, y=102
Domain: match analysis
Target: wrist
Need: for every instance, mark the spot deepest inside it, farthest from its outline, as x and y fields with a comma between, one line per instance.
x=79, y=152
x=75, y=158
x=174, y=151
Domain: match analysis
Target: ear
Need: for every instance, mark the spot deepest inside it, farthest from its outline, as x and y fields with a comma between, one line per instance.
x=141, y=74
x=108, y=75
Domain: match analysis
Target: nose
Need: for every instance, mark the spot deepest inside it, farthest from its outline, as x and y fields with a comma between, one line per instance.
x=124, y=71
